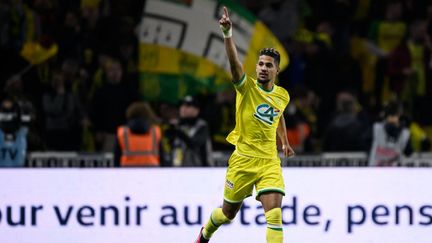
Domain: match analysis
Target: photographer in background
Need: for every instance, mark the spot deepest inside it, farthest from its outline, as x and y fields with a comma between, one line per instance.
x=13, y=134
x=189, y=137
x=391, y=140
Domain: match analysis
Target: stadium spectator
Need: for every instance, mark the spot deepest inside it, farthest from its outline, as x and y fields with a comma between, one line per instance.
x=409, y=66
x=168, y=114
x=109, y=104
x=387, y=34
x=321, y=73
x=284, y=17
x=69, y=34
x=62, y=115
x=138, y=142
x=13, y=135
x=29, y=116
x=390, y=139
x=346, y=132
x=189, y=136
x=20, y=24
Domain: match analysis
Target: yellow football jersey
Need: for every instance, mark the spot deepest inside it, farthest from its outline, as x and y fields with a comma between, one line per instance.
x=257, y=117
x=390, y=35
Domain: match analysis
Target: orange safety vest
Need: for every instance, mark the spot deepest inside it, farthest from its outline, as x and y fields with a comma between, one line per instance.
x=139, y=149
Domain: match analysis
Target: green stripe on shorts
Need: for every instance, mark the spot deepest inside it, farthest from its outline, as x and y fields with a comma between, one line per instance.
x=270, y=190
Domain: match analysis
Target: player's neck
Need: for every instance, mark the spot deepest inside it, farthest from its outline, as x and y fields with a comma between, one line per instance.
x=267, y=86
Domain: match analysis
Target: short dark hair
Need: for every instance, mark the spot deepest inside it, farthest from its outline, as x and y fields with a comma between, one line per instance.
x=272, y=53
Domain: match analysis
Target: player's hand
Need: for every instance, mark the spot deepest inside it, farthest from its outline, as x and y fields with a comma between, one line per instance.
x=288, y=151
x=225, y=21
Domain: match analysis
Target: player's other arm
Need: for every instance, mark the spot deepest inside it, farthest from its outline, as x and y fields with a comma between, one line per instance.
x=282, y=134
x=231, y=50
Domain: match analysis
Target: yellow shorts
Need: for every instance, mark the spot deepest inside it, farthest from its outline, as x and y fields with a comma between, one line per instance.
x=245, y=172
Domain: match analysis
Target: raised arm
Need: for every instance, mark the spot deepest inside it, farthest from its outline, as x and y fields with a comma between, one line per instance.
x=235, y=64
x=282, y=133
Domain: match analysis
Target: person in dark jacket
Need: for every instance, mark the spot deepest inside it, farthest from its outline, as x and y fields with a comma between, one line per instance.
x=346, y=132
x=189, y=137
x=109, y=104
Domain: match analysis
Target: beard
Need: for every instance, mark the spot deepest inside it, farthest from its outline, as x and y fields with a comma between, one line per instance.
x=263, y=81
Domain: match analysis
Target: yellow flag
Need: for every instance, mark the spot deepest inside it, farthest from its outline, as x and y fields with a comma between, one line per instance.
x=36, y=54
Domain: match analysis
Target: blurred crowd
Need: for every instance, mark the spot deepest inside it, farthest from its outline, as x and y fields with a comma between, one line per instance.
x=77, y=97
x=350, y=60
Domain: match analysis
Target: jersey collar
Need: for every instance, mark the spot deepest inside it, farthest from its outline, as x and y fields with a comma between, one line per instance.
x=262, y=88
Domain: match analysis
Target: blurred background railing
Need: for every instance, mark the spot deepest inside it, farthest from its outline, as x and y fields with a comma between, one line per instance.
x=341, y=159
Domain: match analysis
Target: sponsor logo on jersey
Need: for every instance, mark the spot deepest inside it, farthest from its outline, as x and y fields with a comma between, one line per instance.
x=265, y=113
x=229, y=184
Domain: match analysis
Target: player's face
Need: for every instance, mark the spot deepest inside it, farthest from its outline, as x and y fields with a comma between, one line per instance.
x=266, y=69
x=188, y=111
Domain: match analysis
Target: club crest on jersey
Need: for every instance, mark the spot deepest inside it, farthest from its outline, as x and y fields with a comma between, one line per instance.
x=266, y=113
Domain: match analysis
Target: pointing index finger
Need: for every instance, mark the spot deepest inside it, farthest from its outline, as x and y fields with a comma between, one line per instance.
x=226, y=12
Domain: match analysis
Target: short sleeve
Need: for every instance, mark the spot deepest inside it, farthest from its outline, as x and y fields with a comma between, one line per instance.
x=244, y=83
